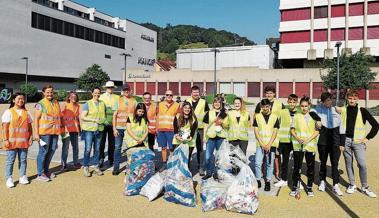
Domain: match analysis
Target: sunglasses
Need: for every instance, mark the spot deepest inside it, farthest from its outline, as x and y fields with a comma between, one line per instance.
x=169, y=95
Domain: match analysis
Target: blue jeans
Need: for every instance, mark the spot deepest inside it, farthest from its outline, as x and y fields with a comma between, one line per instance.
x=117, y=151
x=11, y=157
x=73, y=138
x=91, y=137
x=212, y=144
x=270, y=159
x=46, y=153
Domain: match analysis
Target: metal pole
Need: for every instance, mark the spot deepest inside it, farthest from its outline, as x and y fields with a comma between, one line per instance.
x=214, y=74
x=124, y=68
x=338, y=75
x=26, y=77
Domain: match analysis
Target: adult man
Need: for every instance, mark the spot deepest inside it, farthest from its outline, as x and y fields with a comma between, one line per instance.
x=354, y=140
x=167, y=111
x=200, y=108
x=110, y=101
x=151, y=116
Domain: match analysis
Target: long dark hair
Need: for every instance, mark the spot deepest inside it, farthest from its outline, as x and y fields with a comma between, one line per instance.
x=136, y=118
x=14, y=96
x=191, y=116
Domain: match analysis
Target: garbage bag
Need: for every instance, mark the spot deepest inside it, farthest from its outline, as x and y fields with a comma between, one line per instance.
x=178, y=183
x=140, y=169
x=153, y=187
x=213, y=194
x=226, y=159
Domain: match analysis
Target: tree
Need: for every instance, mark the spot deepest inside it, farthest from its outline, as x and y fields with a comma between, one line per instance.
x=93, y=77
x=30, y=90
x=355, y=72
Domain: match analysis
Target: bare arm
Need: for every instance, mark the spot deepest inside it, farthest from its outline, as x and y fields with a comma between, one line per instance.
x=130, y=132
x=314, y=135
x=37, y=116
x=6, y=135
x=273, y=137
x=258, y=136
x=293, y=133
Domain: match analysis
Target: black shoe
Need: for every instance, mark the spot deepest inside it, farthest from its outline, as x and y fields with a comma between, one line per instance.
x=115, y=172
x=259, y=184
x=101, y=163
x=206, y=177
x=267, y=186
x=215, y=176
x=110, y=163
x=201, y=172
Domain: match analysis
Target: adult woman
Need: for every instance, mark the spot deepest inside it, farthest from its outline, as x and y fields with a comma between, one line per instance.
x=137, y=129
x=17, y=130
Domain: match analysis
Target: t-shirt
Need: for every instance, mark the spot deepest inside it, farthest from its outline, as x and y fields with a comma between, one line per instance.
x=42, y=108
x=7, y=116
x=195, y=103
x=258, y=108
x=86, y=107
x=267, y=117
x=222, y=116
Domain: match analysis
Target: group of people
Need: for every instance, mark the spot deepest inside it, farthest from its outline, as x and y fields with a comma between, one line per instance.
x=121, y=120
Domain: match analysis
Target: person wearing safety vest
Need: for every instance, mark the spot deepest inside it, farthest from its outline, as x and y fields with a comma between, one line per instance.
x=71, y=129
x=125, y=108
x=200, y=107
x=47, y=126
x=151, y=109
x=216, y=123
x=304, y=139
x=239, y=124
x=93, y=118
x=110, y=101
x=265, y=127
x=137, y=128
x=185, y=129
x=354, y=140
x=167, y=111
x=17, y=137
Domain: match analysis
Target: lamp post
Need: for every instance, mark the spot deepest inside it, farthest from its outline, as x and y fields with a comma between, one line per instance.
x=125, y=55
x=338, y=45
x=215, y=50
x=26, y=74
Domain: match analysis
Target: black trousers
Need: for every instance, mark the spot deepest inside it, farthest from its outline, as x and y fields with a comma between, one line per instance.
x=108, y=130
x=151, y=141
x=298, y=162
x=199, y=149
x=334, y=154
x=285, y=150
x=241, y=143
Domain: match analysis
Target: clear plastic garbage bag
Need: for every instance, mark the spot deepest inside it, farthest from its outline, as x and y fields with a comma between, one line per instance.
x=153, y=187
x=226, y=159
x=213, y=194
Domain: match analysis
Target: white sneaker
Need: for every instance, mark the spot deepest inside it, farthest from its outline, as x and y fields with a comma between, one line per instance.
x=368, y=192
x=337, y=190
x=301, y=186
x=23, y=180
x=351, y=189
x=281, y=183
x=321, y=187
x=9, y=183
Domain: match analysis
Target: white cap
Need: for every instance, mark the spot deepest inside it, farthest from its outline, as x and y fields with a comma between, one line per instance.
x=109, y=84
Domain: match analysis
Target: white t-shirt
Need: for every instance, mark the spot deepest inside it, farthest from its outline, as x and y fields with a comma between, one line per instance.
x=7, y=116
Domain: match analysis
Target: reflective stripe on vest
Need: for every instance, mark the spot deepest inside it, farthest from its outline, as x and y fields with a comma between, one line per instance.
x=138, y=130
x=126, y=108
x=71, y=117
x=304, y=130
x=199, y=111
x=284, y=133
x=266, y=130
x=18, y=130
x=94, y=112
x=212, y=129
x=152, y=115
x=110, y=102
x=186, y=128
x=359, y=128
x=50, y=121
x=166, y=116
x=238, y=130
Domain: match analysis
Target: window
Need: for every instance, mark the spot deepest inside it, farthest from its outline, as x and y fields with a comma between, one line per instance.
x=295, y=37
x=34, y=20
x=253, y=89
x=209, y=88
x=186, y=88
x=296, y=14
x=338, y=11
x=373, y=8
x=89, y=34
x=321, y=12
x=108, y=56
x=69, y=29
x=321, y=35
x=150, y=87
x=356, y=33
x=337, y=34
x=41, y=21
x=302, y=88
x=373, y=32
x=356, y=9
x=285, y=89
x=99, y=37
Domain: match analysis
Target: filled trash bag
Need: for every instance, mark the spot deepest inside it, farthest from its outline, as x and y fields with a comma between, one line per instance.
x=213, y=194
x=153, y=187
x=226, y=159
x=178, y=183
x=140, y=169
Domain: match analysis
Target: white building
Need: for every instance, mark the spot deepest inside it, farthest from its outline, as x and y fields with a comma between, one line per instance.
x=260, y=56
x=62, y=38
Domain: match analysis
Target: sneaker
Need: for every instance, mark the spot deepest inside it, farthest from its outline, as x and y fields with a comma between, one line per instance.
x=115, y=172
x=9, y=183
x=310, y=192
x=77, y=166
x=321, y=187
x=368, y=192
x=98, y=171
x=101, y=163
x=206, y=176
x=351, y=189
x=293, y=193
x=43, y=178
x=281, y=183
x=337, y=190
x=86, y=172
x=64, y=168
x=201, y=172
x=267, y=186
x=301, y=186
x=259, y=183
x=50, y=175
x=23, y=180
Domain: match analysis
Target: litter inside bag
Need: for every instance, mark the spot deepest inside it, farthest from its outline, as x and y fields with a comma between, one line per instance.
x=213, y=194
x=141, y=168
x=153, y=187
x=226, y=161
x=178, y=183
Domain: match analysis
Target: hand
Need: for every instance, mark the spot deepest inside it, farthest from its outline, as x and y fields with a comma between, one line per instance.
x=318, y=124
x=139, y=141
x=218, y=122
x=116, y=133
x=30, y=141
x=36, y=137
x=179, y=138
x=342, y=148
x=301, y=141
x=189, y=139
x=6, y=144
x=364, y=141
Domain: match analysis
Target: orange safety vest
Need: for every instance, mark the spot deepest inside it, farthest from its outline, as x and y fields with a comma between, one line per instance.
x=18, y=130
x=71, y=117
x=151, y=116
x=124, y=111
x=166, y=116
x=50, y=121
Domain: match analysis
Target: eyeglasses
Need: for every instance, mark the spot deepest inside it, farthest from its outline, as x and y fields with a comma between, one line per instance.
x=169, y=95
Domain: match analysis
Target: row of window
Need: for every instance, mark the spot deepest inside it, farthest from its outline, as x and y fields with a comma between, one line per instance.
x=335, y=35
x=356, y=9
x=104, y=22
x=75, y=12
x=54, y=25
x=47, y=3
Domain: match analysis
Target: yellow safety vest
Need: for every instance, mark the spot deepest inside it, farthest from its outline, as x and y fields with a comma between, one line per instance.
x=276, y=107
x=359, y=128
x=110, y=102
x=266, y=130
x=94, y=112
x=138, y=130
x=211, y=130
x=304, y=130
x=199, y=111
x=238, y=130
x=186, y=128
x=284, y=133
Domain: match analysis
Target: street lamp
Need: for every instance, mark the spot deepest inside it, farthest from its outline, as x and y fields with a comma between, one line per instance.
x=215, y=50
x=338, y=45
x=125, y=55
x=26, y=74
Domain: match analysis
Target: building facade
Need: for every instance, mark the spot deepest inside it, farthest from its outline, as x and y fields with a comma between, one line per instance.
x=309, y=29
x=62, y=38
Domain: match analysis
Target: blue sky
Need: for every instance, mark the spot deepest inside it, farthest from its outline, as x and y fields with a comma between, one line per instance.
x=255, y=19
